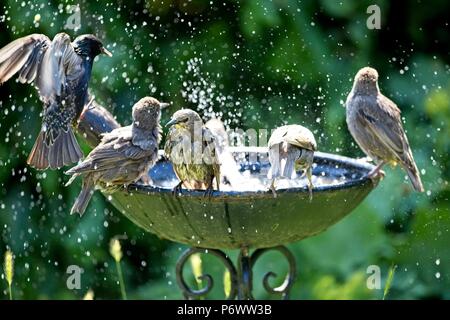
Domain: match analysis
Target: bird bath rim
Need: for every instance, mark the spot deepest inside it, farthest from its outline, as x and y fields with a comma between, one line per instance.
x=346, y=161
x=232, y=220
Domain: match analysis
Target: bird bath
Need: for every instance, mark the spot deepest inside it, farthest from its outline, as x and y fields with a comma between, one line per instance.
x=246, y=219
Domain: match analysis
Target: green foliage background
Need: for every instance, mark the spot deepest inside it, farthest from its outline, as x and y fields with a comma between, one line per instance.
x=266, y=63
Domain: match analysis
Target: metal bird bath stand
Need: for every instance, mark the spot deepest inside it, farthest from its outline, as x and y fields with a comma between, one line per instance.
x=241, y=220
x=241, y=278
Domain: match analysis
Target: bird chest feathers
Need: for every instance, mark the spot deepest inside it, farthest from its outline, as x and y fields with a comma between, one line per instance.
x=184, y=146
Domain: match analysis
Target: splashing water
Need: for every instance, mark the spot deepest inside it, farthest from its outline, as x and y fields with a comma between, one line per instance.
x=201, y=90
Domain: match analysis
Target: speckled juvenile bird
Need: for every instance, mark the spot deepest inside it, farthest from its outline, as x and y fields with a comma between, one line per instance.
x=375, y=123
x=60, y=70
x=291, y=148
x=191, y=148
x=124, y=155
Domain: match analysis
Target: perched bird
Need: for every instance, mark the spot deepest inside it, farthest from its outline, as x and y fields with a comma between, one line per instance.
x=60, y=70
x=375, y=123
x=229, y=169
x=291, y=148
x=123, y=156
x=191, y=148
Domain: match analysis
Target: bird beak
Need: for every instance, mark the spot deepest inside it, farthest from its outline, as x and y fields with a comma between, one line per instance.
x=163, y=105
x=171, y=122
x=106, y=51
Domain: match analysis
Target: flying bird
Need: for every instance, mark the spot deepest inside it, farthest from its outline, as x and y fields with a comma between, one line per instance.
x=291, y=148
x=60, y=70
x=376, y=125
x=123, y=156
x=191, y=148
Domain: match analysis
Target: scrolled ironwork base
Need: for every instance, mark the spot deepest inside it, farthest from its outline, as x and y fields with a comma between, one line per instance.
x=241, y=278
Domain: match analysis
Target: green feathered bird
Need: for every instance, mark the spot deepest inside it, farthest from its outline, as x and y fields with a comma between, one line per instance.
x=191, y=149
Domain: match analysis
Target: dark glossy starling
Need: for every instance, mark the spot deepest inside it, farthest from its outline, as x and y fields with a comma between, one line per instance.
x=191, y=148
x=291, y=148
x=94, y=121
x=376, y=125
x=124, y=155
x=60, y=70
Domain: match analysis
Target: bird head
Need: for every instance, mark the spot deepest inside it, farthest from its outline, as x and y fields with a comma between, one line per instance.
x=89, y=45
x=366, y=80
x=186, y=118
x=147, y=112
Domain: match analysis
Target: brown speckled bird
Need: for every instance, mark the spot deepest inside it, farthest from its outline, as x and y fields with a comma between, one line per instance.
x=376, y=125
x=191, y=148
x=124, y=155
x=291, y=148
x=60, y=70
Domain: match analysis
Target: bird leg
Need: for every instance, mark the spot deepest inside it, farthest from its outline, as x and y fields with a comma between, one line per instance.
x=365, y=159
x=376, y=170
x=272, y=188
x=145, y=179
x=209, y=190
x=87, y=107
x=310, y=184
x=226, y=180
x=177, y=189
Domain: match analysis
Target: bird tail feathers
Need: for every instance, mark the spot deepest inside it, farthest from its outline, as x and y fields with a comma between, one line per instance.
x=288, y=168
x=64, y=150
x=72, y=178
x=274, y=170
x=83, y=199
x=413, y=174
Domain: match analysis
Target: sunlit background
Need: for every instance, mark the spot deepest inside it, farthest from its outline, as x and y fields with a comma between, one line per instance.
x=256, y=64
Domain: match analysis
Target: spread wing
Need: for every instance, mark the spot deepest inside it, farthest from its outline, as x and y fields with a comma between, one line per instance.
x=23, y=55
x=60, y=63
x=49, y=64
x=385, y=123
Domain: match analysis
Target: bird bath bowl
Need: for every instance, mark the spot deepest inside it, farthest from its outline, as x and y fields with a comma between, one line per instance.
x=232, y=219
x=246, y=219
